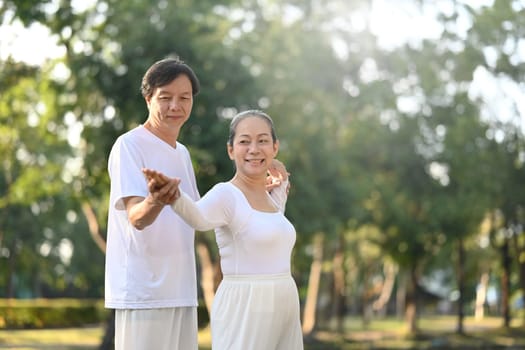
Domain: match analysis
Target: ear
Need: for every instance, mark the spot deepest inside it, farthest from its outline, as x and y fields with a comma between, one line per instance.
x=230, y=150
x=275, y=148
x=148, y=100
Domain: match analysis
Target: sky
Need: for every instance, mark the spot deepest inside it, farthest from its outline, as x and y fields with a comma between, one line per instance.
x=33, y=45
x=394, y=21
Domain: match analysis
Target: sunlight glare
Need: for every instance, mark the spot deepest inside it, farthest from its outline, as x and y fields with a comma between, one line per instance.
x=65, y=251
x=395, y=23
x=28, y=44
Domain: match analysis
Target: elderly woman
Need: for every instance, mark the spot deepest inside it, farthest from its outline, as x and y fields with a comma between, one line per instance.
x=256, y=306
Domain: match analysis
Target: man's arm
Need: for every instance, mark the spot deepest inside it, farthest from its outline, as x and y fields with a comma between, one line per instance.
x=142, y=211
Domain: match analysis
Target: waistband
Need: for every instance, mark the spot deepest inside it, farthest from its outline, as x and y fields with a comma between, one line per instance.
x=263, y=277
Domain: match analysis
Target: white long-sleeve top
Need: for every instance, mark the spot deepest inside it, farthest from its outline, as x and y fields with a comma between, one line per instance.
x=250, y=241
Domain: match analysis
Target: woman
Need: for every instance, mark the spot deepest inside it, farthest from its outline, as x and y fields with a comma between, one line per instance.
x=256, y=305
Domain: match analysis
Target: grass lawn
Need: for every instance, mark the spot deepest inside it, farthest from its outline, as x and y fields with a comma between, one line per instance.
x=436, y=333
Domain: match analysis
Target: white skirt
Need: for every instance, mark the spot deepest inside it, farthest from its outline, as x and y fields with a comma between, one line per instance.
x=259, y=312
x=159, y=329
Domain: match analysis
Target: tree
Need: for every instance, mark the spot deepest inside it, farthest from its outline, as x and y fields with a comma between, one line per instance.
x=33, y=195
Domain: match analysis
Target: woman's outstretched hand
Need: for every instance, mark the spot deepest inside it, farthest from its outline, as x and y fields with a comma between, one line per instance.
x=163, y=189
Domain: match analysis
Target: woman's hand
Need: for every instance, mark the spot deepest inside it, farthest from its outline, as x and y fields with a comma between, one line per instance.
x=163, y=190
x=277, y=174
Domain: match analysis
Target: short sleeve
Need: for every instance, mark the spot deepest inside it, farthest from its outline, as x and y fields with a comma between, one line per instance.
x=124, y=167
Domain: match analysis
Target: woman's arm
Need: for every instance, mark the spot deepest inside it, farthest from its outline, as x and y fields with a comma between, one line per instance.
x=193, y=214
x=203, y=215
x=278, y=183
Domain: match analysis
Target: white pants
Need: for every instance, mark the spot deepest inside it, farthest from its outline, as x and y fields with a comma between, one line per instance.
x=256, y=313
x=159, y=329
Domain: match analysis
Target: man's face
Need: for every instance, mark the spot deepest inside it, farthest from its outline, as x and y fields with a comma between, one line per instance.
x=170, y=105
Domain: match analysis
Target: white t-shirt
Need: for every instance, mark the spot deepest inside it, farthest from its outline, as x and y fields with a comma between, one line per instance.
x=153, y=267
x=250, y=241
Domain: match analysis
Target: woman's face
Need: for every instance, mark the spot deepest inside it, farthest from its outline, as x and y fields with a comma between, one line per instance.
x=253, y=147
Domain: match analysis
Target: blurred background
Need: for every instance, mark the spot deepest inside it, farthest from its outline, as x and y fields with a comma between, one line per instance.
x=402, y=124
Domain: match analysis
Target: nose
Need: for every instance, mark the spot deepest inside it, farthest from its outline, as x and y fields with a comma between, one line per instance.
x=174, y=104
x=254, y=147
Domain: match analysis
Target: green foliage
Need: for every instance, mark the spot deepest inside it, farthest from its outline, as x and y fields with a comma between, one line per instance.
x=35, y=150
x=39, y=313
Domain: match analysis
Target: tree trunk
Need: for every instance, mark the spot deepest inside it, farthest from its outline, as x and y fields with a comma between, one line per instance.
x=108, y=340
x=381, y=302
x=366, y=296
x=338, y=309
x=314, y=280
x=412, y=301
x=519, y=252
x=94, y=228
x=461, y=286
x=109, y=333
x=505, y=283
x=401, y=294
x=481, y=296
x=10, y=277
x=207, y=272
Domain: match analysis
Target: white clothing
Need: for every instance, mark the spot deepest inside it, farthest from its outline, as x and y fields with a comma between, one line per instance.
x=256, y=312
x=159, y=329
x=250, y=242
x=154, y=267
x=256, y=306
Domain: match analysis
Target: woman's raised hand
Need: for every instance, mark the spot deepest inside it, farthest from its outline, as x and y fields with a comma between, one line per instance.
x=277, y=174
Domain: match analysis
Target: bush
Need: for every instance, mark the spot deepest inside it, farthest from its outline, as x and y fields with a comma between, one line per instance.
x=50, y=313
x=59, y=313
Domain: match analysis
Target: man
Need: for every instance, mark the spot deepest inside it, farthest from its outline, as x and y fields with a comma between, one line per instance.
x=150, y=260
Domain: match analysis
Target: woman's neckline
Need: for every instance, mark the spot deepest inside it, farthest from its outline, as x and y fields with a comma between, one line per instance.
x=248, y=202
